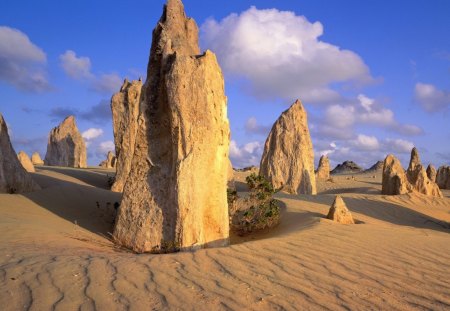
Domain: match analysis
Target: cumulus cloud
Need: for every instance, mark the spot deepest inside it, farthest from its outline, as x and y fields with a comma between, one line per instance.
x=339, y=120
x=398, y=145
x=281, y=55
x=107, y=83
x=247, y=154
x=79, y=67
x=103, y=148
x=21, y=61
x=364, y=142
x=92, y=133
x=253, y=127
x=431, y=98
x=74, y=66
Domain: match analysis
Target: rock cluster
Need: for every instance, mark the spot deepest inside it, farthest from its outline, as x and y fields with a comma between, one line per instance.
x=347, y=167
x=65, y=146
x=125, y=112
x=13, y=177
x=25, y=160
x=323, y=170
x=397, y=181
x=443, y=177
x=175, y=197
x=288, y=158
x=339, y=212
x=36, y=159
x=110, y=161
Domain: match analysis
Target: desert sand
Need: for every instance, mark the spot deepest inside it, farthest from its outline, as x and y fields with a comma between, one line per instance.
x=56, y=253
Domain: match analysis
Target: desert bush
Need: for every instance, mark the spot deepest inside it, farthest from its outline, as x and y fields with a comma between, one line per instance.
x=258, y=211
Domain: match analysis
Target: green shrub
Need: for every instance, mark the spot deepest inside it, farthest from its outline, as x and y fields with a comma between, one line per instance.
x=256, y=212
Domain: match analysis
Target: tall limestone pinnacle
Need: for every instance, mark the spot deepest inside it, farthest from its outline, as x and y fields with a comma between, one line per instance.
x=288, y=158
x=125, y=112
x=175, y=197
x=66, y=146
x=13, y=177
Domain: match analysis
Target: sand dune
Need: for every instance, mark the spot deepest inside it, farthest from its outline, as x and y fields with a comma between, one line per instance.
x=55, y=254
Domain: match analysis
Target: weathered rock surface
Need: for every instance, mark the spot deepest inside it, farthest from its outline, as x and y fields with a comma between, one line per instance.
x=176, y=195
x=417, y=177
x=347, y=167
x=288, y=158
x=65, y=146
x=323, y=170
x=110, y=161
x=25, y=160
x=339, y=212
x=376, y=167
x=230, y=174
x=125, y=112
x=36, y=159
x=13, y=177
x=443, y=177
x=394, y=179
x=431, y=172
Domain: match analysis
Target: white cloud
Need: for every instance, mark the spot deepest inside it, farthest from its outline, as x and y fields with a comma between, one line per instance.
x=79, y=67
x=74, y=66
x=21, y=61
x=103, y=148
x=431, y=98
x=247, y=154
x=107, y=83
x=281, y=55
x=364, y=142
x=398, y=145
x=92, y=133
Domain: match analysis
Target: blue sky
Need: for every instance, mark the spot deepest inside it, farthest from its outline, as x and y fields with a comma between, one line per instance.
x=374, y=75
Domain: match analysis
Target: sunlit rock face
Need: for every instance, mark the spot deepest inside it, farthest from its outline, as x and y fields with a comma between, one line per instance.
x=175, y=197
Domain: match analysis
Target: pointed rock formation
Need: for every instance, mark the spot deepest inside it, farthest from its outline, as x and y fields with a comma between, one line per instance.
x=443, y=177
x=36, y=159
x=339, y=212
x=110, y=161
x=323, y=170
x=417, y=177
x=288, y=158
x=431, y=172
x=125, y=112
x=376, y=167
x=65, y=146
x=175, y=197
x=13, y=177
x=394, y=179
x=25, y=160
x=347, y=167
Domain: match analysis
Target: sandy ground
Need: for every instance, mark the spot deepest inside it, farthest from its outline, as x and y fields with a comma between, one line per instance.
x=55, y=254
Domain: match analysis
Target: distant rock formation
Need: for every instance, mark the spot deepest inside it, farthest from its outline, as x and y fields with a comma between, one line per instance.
x=251, y=169
x=347, y=167
x=396, y=181
x=110, y=161
x=65, y=146
x=288, y=158
x=176, y=195
x=417, y=177
x=443, y=177
x=376, y=167
x=431, y=172
x=24, y=159
x=323, y=170
x=125, y=112
x=36, y=159
x=13, y=177
x=339, y=212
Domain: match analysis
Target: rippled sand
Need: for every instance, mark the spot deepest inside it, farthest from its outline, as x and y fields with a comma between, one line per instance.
x=55, y=254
